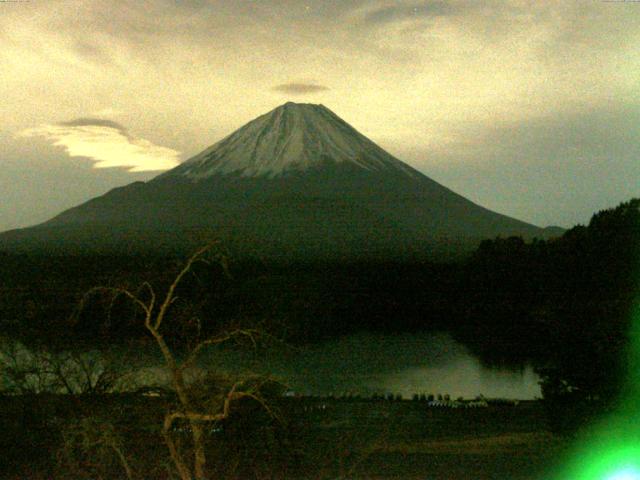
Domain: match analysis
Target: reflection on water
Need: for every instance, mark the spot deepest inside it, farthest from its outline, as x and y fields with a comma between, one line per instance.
x=404, y=364
x=465, y=377
x=362, y=364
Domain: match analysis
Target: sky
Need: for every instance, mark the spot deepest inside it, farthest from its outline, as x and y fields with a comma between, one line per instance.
x=529, y=108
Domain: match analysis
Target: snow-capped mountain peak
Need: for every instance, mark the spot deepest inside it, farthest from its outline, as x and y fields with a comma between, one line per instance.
x=293, y=137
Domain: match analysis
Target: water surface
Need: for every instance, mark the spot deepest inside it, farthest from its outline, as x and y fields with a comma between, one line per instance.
x=405, y=364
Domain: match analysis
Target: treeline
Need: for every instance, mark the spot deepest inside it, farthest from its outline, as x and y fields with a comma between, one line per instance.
x=563, y=305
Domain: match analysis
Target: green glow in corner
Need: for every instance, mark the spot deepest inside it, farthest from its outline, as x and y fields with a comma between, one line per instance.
x=617, y=460
x=625, y=474
x=610, y=450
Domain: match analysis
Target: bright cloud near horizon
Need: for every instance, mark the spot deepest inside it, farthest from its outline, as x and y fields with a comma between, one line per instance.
x=108, y=146
x=527, y=108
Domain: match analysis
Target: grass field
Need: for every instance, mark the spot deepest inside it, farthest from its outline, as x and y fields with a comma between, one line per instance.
x=407, y=439
x=317, y=439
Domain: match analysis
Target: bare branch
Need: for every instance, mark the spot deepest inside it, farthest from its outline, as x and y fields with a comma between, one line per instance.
x=193, y=355
x=170, y=293
x=191, y=410
x=116, y=292
x=178, y=460
x=152, y=301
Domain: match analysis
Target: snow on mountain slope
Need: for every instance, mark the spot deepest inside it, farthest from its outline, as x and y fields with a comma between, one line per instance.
x=297, y=182
x=292, y=137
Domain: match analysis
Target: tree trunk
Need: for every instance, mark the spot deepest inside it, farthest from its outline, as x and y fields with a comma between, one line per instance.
x=199, y=453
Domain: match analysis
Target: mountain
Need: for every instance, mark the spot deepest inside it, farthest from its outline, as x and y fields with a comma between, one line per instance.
x=291, y=138
x=297, y=182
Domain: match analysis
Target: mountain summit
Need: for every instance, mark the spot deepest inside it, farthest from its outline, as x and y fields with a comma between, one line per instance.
x=296, y=183
x=294, y=137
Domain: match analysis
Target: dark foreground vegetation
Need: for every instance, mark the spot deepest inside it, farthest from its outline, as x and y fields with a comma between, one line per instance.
x=563, y=305
x=119, y=436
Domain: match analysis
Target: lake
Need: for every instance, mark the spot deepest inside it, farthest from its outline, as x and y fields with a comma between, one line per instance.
x=366, y=364
x=362, y=364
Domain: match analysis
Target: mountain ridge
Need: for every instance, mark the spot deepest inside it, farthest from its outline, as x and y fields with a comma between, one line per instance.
x=291, y=137
x=296, y=182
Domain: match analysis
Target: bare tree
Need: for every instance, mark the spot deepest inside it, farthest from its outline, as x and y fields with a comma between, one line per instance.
x=39, y=370
x=191, y=409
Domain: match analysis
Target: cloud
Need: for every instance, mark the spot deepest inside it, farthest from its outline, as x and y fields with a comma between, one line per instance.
x=299, y=88
x=583, y=161
x=107, y=143
x=95, y=122
x=92, y=52
x=416, y=78
x=108, y=112
x=408, y=11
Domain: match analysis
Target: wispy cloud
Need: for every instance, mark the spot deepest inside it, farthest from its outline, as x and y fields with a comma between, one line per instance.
x=95, y=122
x=299, y=88
x=108, y=112
x=107, y=143
x=408, y=11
